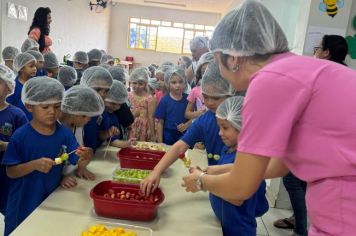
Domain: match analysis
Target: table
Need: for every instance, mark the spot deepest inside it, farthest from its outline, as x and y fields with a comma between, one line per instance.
x=69, y=212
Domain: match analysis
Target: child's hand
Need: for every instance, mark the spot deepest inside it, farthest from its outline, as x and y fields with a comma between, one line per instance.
x=131, y=142
x=150, y=183
x=85, y=154
x=114, y=131
x=68, y=182
x=43, y=164
x=183, y=127
x=84, y=173
x=3, y=146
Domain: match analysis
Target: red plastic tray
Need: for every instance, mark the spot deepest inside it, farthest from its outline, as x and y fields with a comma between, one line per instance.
x=124, y=209
x=139, y=159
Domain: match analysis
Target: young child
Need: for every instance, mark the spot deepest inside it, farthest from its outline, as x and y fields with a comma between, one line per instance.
x=161, y=90
x=11, y=118
x=170, y=111
x=94, y=57
x=107, y=59
x=80, y=63
x=67, y=75
x=116, y=97
x=30, y=154
x=30, y=44
x=25, y=67
x=235, y=220
x=195, y=107
x=204, y=129
x=8, y=55
x=39, y=62
x=51, y=64
x=142, y=106
x=98, y=128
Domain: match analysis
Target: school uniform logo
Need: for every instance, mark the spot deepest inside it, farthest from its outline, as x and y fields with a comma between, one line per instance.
x=6, y=129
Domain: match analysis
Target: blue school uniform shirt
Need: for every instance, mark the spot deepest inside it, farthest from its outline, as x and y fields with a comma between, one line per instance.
x=205, y=129
x=91, y=130
x=15, y=99
x=172, y=112
x=114, y=121
x=239, y=220
x=11, y=118
x=27, y=193
x=41, y=72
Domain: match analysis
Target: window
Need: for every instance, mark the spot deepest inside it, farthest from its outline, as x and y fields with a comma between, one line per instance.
x=164, y=36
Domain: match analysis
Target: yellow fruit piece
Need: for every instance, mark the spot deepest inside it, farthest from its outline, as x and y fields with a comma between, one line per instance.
x=58, y=161
x=64, y=156
x=101, y=230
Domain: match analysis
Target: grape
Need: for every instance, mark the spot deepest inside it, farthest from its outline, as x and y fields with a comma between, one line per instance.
x=130, y=175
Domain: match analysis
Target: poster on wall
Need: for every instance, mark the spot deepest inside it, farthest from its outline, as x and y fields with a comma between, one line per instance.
x=22, y=12
x=331, y=7
x=11, y=10
x=316, y=33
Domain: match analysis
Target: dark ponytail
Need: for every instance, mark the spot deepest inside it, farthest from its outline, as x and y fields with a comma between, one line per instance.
x=40, y=21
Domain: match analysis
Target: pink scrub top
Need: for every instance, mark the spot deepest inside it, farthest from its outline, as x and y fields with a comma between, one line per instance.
x=35, y=35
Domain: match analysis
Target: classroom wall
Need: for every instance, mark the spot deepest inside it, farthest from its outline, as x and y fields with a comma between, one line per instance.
x=74, y=26
x=118, y=44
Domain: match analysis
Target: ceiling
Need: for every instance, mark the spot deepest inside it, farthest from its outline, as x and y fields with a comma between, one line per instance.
x=215, y=6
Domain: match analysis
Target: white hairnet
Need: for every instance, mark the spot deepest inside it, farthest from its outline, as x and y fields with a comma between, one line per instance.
x=230, y=110
x=117, y=93
x=105, y=66
x=82, y=100
x=42, y=90
x=95, y=55
x=163, y=69
x=199, y=42
x=30, y=44
x=81, y=57
x=67, y=75
x=205, y=58
x=106, y=58
x=153, y=83
x=139, y=74
x=96, y=77
x=21, y=60
x=213, y=84
x=9, y=53
x=118, y=73
x=37, y=55
x=50, y=60
x=174, y=70
x=8, y=76
x=167, y=63
x=247, y=31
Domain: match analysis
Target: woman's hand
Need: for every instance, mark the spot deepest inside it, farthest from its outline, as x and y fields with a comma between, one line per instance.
x=68, y=182
x=84, y=173
x=190, y=181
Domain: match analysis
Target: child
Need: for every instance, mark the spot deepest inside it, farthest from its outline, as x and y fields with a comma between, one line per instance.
x=94, y=57
x=67, y=75
x=195, y=107
x=170, y=111
x=80, y=62
x=98, y=128
x=142, y=106
x=119, y=73
x=79, y=104
x=11, y=118
x=30, y=154
x=116, y=97
x=161, y=90
x=51, y=64
x=107, y=59
x=204, y=129
x=8, y=55
x=30, y=44
x=25, y=66
x=39, y=62
x=235, y=220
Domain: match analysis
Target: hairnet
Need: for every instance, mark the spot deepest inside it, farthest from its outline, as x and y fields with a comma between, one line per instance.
x=213, y=84
x=186, y=61
x=21, y=60
x=42, y=90
x=9, y=53
x=105, y=66
x=50, y=60
x=8, y=76
x=139, y=74
x=174, y=70
x=205, y=58
x=152, y=69
x=81, y=57
x=67, y=75
x=82, y=100
x=117, y=93
x=247, y=31
x=167, y=63
x=29, y=44
x=95, y=55
x=163, y=69
x=106, y=58
x=230, y=110
x=118, y=73
x=96, y=77
x=199, y=42
x=153, y=83
x=38, y=56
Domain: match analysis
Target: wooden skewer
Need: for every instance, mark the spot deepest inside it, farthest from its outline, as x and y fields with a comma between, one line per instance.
x=107, y=146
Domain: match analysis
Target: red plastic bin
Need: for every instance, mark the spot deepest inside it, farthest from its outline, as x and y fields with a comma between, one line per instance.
x=124, y=209
x=139, y=159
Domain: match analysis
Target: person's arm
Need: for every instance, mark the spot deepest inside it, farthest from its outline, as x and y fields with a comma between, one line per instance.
x=123, y=143
x=43, y=165
x=35, y=34
x=190, y=113
x=160, y=131
x=276, y=168
x=150, y=113
x=218, y=169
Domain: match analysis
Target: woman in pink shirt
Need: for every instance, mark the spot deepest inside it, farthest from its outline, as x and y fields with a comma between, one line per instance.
x=299, y=115
x=40, y=28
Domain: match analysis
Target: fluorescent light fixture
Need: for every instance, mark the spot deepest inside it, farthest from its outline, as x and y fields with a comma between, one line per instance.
x=177, y=4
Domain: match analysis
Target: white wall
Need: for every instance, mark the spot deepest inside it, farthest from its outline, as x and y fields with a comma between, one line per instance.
x=351, y=32
x=119, y=28
x=74, y=26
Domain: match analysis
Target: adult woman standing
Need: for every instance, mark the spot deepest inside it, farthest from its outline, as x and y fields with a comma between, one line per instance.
x=40, y=28
x=298, y=114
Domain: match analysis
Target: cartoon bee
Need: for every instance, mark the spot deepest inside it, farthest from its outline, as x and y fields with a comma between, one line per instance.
x=331, y=6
